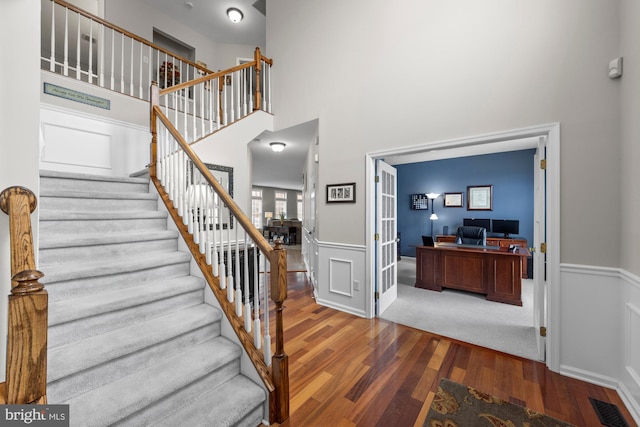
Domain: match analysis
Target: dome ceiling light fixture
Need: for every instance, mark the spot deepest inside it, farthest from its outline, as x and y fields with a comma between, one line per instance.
x=235, y=15
x=277, y=146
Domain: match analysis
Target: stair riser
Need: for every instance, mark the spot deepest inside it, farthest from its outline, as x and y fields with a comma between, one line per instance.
x=91, y=185
x=84, y=286
x=80, y=382
x=154, y=413
x=58, y=227
x=96, y=205
x=94, y=252
x=97, y=324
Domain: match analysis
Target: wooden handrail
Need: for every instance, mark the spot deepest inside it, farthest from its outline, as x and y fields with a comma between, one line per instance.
x=26, y=370
x=128, y=34
x=276, y=381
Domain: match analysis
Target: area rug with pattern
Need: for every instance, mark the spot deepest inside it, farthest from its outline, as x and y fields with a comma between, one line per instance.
x=456, y=405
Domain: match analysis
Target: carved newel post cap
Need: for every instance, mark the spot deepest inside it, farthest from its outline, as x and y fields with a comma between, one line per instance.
x=27, y=282
x=17, y=190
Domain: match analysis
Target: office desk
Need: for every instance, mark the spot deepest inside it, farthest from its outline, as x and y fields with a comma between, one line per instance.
x=490, y=270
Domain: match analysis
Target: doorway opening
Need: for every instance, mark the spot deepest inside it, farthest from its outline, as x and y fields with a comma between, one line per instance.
x=547, y=138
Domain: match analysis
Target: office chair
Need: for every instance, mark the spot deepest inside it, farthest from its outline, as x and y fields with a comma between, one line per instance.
x=427, y=241
x=469, y=235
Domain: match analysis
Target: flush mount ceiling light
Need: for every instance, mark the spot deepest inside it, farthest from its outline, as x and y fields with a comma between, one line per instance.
x=277, y=146
x=235, y=15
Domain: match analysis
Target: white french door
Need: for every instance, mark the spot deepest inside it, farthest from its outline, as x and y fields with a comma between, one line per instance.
x=386, y=236
x=540, y=237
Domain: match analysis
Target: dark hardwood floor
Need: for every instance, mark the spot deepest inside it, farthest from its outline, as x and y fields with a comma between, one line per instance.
x=349, y=371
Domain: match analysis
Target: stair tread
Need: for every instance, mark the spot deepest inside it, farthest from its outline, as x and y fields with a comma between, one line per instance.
x=119, y=195
x=71, y=309
x=89, y=177
x=69, y=271
x=65, y=241
x=232, y=400
x=84, y=354
x=127, y=395
x=53, y=215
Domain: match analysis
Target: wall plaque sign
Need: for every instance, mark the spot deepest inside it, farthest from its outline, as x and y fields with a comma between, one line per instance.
x=74, y=95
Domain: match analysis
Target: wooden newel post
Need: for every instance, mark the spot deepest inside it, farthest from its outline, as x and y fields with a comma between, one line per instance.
x=280, y=360
x=257, y=99
x=26, y=374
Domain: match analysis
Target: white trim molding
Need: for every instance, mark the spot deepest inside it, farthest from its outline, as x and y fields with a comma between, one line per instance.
x=340, y=277
x=600, y=321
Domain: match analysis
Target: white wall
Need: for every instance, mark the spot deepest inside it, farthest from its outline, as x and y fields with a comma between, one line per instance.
x=452, y=69
x=19, y=117
x=629, y=307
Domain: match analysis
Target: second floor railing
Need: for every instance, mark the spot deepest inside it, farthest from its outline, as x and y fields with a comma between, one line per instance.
x=82, y=46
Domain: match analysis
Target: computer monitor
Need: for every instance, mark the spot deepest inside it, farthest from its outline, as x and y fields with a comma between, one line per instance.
x=477, y=222
x=505, y=226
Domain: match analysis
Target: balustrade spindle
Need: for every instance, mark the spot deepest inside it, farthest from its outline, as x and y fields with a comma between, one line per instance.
x=122, y=85
x=78, y=52
x=90, y=70
x=131, y=62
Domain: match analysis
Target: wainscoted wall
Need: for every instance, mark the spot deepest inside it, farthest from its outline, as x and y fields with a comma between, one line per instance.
x=340, y=282
x=74, y=141
x=600, y=329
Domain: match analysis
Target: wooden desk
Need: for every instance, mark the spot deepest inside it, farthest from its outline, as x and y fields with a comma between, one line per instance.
x=494, y=241
x=493, y=271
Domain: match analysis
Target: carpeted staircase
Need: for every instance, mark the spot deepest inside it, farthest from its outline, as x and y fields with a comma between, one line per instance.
x=131, y=340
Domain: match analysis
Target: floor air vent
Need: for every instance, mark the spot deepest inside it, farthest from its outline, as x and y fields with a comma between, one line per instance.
x=608, y=413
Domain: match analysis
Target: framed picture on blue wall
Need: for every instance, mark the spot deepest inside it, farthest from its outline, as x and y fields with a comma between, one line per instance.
x=479, y=197
x=452, y=200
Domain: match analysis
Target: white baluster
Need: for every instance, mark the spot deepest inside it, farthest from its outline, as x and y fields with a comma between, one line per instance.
x=222, y=269
x=90, y=71
x=214, y=255
x=267, y=336
x=257, y=339
x=78, y=51
x=238, y=276
x=269, y=91
x=251, y=73
x=113, y=62
x=101, y=56
x=121, y=63
x=230, y=286
x=247, y=295
x=66, y=42
x=131, y=82
x=52, y=58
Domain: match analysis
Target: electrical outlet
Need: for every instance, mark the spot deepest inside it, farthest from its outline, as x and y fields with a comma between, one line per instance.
x=356, y=285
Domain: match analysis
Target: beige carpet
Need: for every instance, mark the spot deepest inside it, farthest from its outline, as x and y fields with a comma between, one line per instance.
x=465, y=316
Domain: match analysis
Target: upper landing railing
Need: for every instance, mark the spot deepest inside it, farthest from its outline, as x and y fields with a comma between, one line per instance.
x=82, y=46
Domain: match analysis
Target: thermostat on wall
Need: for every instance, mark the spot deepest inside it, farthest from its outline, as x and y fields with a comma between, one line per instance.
x=615, y=68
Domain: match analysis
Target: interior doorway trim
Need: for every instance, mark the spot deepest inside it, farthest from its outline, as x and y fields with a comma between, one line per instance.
x=552, y=132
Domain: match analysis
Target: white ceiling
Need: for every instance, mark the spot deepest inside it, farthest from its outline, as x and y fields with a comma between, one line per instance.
x=209, y=17
x=284, y=169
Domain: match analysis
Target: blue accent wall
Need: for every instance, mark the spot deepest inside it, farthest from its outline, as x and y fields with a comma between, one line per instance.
x=510, y=174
